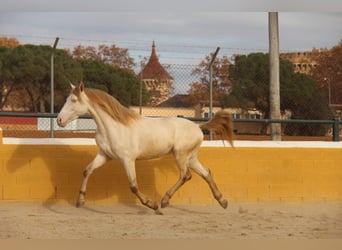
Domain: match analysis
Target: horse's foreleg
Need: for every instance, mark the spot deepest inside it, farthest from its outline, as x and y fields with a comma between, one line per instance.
x=206, y=175
x=131, y=175
x=98, y=161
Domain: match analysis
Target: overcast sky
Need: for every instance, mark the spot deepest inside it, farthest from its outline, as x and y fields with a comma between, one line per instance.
x=182, y=35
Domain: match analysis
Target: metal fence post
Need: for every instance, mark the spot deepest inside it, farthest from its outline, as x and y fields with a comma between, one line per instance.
x=336, y=129
x=211, y=87
x=52, y=92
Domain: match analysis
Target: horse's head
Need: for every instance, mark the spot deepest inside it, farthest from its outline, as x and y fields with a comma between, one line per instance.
x=74, y=106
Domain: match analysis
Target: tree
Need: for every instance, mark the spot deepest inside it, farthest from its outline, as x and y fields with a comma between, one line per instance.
x=110, y=68
x=328, y=72
x=28, y=67
x=9, y=42
x=67, y=70
x=5, y=85
x=120, y=83
x=250, y=78
x=299, y=93
x=118, y=57
x=199, y=91
x=302, y=96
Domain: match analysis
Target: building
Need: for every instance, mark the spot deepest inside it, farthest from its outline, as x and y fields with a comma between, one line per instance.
x=156, y=79
x=304, y=62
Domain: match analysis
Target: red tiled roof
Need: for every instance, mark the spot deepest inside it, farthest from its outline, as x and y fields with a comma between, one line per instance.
x=153, y=69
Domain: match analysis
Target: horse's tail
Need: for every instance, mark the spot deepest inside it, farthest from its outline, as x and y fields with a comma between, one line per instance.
x=221, y=124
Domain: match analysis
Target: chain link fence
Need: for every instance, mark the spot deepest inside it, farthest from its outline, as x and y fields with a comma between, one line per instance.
x=249, y=123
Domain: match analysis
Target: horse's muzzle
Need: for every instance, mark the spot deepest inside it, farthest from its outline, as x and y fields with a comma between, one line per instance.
x=60, y=123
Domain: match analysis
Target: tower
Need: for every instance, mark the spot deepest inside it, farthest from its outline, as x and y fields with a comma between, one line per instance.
x=156, y=79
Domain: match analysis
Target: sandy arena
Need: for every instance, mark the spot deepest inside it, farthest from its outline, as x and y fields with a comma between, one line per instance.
x=239, y=221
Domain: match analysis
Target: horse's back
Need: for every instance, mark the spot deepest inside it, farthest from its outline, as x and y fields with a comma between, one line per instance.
x=162, y=135
x=187, y=134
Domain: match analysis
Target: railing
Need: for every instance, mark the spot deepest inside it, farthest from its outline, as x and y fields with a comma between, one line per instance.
x=335, y=123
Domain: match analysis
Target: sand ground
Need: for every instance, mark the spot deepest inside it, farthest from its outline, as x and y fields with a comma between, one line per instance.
x=238, y=221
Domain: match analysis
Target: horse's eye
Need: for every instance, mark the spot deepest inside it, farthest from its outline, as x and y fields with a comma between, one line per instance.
x=73, y=99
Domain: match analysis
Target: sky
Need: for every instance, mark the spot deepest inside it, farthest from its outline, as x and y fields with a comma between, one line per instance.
x=184, y=31
x=185, y=36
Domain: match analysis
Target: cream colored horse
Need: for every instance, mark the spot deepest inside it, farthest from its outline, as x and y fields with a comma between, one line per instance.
x=124, y=135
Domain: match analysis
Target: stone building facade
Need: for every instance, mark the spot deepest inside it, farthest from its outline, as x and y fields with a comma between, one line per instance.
x=156, y=79
x=304, y=62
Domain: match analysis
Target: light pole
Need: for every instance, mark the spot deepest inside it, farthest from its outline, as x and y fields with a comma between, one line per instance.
x=274, y=75
x=329, y=89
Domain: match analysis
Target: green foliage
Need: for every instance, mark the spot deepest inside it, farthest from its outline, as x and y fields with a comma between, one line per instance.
x=120, y=83
x=302, y=96
x=27, y=67
x=299, y=93
x=250, y=78
x=4, y=90
x=66, y=70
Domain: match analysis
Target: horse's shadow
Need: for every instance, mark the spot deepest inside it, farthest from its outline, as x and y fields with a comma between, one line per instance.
x=108, y=184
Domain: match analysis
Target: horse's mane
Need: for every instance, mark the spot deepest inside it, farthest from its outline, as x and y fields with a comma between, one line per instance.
x=110, y=105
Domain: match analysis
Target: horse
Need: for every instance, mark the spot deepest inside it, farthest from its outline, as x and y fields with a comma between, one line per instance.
x=125, y=135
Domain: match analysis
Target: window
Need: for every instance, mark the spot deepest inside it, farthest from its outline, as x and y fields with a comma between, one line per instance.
x=206, y=114
x=254, y=116
x=236, y=116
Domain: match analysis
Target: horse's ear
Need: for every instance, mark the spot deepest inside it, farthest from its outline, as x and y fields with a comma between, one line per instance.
x=72, y=86
x=81, y=86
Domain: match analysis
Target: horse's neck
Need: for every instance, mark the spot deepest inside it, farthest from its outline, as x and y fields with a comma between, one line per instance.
x=104, y=122
x=107, y=126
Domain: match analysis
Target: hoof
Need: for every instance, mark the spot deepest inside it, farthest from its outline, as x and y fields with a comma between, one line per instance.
x=165, y=201
x=164, y=204
x=152, y=204
x=155, y=206
x=224, y=203
x=80, y=204
x=158, y=212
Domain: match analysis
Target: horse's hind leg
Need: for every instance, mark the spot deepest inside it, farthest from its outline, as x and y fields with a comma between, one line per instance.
x=184, y=176
x=196, y=166
x=98, y=161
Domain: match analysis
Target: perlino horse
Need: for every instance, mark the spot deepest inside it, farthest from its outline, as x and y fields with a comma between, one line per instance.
x=124, y=135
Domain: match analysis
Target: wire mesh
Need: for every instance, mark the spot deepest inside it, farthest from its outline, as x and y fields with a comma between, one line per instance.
x=179, y=103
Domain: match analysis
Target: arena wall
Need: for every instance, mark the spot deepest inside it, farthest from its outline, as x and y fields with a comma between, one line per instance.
x=50, y=171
